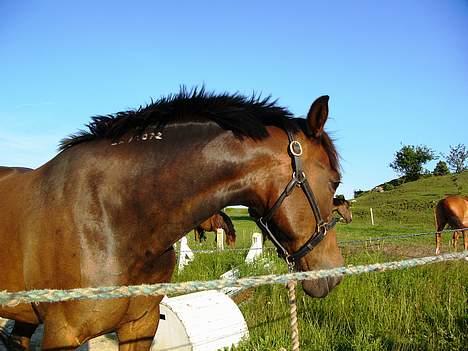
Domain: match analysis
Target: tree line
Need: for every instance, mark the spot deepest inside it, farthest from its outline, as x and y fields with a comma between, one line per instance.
x=409, y=161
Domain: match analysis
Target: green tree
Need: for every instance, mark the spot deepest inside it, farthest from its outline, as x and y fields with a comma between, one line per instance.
x=457, y=158
x=409, y=161
x=441, y=168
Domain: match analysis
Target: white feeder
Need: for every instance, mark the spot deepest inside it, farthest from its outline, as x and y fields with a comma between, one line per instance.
x=202, y=321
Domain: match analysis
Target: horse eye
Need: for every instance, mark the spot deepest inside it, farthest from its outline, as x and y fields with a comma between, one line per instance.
x=335, y=185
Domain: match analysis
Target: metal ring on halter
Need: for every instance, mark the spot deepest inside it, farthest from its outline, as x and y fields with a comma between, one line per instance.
x=322, y=226
x=290, y=262
x=300, y=179
x=294, y=144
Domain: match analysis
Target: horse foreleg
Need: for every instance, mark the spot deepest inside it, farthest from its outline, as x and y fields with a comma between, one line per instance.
x=456, y=235
x=465, y=239
x=59, y=335
x=143, y=313
x=138, y=335
x=21, y=336
x=438, y=237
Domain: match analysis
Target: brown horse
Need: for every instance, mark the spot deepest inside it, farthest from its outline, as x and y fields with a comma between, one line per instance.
x=218, y=221
x=93, y=215
x=343, y=208
x=452, y=210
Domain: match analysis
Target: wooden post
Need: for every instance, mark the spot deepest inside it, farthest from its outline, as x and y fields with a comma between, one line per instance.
x=220, y=238
x=371, y=216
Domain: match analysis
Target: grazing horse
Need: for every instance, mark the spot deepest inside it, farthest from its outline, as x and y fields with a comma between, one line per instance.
x=343, y=207
x=218, y=221
x=92, y=216
x=452, y=210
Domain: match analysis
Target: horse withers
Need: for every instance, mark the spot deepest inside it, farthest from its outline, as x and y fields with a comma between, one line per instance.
x=452, y=211
x=108, y=208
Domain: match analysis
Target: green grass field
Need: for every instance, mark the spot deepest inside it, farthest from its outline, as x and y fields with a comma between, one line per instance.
x=421, y=308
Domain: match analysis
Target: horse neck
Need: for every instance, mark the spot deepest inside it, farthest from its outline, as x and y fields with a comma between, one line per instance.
x=183, y=183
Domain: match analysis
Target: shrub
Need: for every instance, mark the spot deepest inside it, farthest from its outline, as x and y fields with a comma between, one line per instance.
x=457, y=158
x=358, y=193
x=387, y=187
x=441, y=169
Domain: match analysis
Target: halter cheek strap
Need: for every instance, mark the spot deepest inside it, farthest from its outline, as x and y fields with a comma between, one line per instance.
x=298, y=179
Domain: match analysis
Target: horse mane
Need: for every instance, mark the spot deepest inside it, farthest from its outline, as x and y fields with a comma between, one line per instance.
x=244, y=116
x=228, y=222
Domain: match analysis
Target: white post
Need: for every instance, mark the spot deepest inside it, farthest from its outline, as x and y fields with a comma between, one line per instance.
x=220, y=238
x=371, y=216
x=185, y=253
x=256, y=249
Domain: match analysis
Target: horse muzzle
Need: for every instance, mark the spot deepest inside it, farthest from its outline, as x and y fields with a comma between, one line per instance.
x=320, y=287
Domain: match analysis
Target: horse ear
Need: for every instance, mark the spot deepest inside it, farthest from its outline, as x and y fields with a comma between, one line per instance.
x=318, y=115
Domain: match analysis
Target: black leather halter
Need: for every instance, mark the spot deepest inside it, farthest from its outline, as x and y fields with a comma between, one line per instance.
x=299, y=179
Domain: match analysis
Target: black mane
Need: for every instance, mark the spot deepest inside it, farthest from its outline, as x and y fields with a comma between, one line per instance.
x=244, y=116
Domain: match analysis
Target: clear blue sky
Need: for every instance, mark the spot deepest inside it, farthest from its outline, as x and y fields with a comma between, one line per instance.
x=396, y=71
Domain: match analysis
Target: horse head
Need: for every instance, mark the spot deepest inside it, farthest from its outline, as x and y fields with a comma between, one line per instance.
x=296, y=205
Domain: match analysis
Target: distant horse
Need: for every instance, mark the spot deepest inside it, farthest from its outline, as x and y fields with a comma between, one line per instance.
x=108, y=208
x=218, y=221
x=452, y=210
x=343, y=207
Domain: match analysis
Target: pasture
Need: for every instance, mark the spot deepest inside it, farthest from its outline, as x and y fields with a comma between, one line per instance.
x=422, y=308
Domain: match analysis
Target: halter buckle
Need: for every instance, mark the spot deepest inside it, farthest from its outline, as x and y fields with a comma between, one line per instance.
x=293, y=145
x=322, y=227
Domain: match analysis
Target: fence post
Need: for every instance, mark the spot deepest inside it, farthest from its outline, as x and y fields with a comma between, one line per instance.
x=256, y=249
x=371, y=216
x=185, y=253
x=220, y=238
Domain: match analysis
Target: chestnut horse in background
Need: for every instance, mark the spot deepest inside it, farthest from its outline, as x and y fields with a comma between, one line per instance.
x=218, y=221
x=108, y=208
x=452, y=210
x=343, y=208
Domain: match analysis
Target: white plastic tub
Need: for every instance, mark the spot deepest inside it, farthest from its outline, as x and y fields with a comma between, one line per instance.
x=202, y=321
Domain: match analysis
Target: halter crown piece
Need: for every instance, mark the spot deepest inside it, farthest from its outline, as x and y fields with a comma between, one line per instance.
x=298, y=179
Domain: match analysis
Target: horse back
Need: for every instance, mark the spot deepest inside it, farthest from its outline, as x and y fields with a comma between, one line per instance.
x=12, y=171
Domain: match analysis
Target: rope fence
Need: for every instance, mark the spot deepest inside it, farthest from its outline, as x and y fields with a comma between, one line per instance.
x=110, y=292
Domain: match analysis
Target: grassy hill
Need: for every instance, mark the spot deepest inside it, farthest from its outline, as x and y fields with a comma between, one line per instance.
x=407, y=208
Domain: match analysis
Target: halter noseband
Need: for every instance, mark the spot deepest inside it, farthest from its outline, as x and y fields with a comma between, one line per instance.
x=298, y=179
